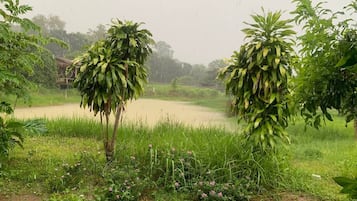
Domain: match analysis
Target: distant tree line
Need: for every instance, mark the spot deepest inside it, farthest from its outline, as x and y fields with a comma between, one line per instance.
x=162, y=66
x=74, y=44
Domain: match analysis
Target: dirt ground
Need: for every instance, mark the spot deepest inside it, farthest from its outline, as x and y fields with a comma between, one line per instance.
x=21, y=198
x=147, y=111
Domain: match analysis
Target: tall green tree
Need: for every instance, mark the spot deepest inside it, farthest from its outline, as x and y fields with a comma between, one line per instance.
x=111, y=73
x=327, y=74
x=257, y=78
x=20, y=50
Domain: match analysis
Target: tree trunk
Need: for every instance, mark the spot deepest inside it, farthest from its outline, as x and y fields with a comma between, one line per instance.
x=355, y=126
x=109, y=152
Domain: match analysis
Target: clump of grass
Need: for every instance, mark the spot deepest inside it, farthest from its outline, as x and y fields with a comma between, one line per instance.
x=74, y=127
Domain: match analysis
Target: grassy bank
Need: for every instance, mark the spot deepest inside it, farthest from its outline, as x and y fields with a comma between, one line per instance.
x=206, y=97
x=45, y=97
x=199, y=96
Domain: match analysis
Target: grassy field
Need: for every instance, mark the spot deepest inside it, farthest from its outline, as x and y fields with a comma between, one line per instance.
x=306, y=167
x=199, y=96
x=45, y=97
x=328, y=152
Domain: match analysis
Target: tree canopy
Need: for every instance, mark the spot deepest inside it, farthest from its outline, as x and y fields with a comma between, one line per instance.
x=327, y=72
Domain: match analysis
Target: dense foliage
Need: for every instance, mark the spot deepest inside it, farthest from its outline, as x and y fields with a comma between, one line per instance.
x=19, y=52
x=111, y=72
x=327, y=74
x=257, y=79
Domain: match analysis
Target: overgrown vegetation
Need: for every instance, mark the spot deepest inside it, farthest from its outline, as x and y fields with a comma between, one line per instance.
x=174, y=162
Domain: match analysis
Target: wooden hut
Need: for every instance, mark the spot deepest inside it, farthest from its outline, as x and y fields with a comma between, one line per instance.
x=64, y=78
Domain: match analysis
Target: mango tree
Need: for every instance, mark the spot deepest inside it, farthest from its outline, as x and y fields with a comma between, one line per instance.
x=257, y=78
x=327, y=74
x=112, y=72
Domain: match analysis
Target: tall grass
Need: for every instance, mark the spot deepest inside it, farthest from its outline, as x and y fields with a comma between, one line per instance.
x=168, y=157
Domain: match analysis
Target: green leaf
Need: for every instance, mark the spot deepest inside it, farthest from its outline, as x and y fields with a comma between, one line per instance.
x=257, y=122
x=273, y=117
x=258, y=45
x=277, y=61
x=282, y=70
x=251, y=65
x=350, y=117
x=278, y=51
x=250, y=51
x=95, y=61
x=109, y=81
x=343, y=61
x=123, y=80
x=133, y=42
x=265, y=67
x=100, y=78
x=344, y=181
x=104, y=67
x=265, y=52
x=83, y=68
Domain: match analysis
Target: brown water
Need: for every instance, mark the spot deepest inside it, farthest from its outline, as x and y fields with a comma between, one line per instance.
x=147, y=111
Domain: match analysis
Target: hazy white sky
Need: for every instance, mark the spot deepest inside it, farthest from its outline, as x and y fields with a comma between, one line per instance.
x=199, y=31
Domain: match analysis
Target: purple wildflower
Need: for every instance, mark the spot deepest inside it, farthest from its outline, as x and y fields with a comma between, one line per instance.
x=204, y=195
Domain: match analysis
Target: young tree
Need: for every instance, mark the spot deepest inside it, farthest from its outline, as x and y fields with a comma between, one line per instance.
x=257, y=78
x=327, y=75
x=112, y=72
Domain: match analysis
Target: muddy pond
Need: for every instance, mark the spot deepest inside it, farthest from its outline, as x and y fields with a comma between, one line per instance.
x=146, y=111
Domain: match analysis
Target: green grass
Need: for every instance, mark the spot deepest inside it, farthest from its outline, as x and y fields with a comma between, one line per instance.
x=45, y=97
x=206, y=97
x=159, y=154
x=328, y=152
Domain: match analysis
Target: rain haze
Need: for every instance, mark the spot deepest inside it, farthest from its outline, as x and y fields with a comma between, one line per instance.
x=198, y=31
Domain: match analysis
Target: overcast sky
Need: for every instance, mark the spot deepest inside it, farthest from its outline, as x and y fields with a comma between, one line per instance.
x=199, y=31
